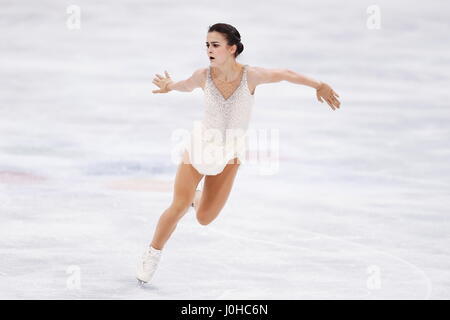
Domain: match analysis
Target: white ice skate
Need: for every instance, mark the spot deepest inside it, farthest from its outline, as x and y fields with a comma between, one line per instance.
x=196, y=192
x=148, y=265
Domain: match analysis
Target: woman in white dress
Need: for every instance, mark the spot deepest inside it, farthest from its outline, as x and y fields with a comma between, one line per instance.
x=229, y=89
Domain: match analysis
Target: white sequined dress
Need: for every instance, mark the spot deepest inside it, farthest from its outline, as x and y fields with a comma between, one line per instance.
x=222, y=133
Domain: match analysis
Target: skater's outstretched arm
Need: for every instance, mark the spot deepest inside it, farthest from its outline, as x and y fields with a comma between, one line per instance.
x=166, y=84
x=323, y=90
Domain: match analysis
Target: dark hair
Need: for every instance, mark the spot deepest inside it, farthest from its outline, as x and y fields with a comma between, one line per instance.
x=231, y=34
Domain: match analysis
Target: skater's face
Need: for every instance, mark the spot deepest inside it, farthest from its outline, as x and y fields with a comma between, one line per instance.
x=217, y=47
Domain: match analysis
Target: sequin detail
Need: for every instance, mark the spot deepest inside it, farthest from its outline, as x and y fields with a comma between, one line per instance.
x=222, y=134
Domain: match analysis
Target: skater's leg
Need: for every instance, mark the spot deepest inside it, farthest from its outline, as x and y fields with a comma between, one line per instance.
x=186, y=181
x=215, y=192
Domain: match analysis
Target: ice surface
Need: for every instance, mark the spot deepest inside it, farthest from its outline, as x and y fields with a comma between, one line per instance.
x=357, y=210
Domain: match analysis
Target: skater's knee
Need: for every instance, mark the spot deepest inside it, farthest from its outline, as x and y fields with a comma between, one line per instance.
x=204, y=221
x=205, y=218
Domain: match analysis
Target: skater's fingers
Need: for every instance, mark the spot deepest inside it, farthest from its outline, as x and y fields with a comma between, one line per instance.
x=159, y=83
x=333, y=105
x=167, y=74
x=336, y=102
x=336, y=105
x=335, y=99
x=159, y=76
x=330, y=103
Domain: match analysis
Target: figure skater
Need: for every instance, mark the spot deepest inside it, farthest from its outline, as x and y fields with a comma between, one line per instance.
x=229, y=89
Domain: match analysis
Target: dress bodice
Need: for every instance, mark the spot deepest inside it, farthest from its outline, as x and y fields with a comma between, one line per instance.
x=231, y=113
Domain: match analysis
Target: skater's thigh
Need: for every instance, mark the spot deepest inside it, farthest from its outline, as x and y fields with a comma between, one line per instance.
x=216, y=190
x=186, y=181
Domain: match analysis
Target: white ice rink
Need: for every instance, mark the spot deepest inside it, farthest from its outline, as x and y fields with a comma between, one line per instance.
x=358, y=208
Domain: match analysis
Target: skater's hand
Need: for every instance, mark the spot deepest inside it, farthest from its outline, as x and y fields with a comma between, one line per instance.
x=162, y=83
x=327, y=93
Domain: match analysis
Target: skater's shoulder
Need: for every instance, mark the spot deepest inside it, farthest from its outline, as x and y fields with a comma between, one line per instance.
x=251, y=70
x=259, y=75
x=255, y=73
x=200, y=75
x=201, y=71
x=198, y=78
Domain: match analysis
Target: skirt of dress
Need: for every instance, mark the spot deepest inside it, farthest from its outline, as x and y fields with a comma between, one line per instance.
x=210, y=156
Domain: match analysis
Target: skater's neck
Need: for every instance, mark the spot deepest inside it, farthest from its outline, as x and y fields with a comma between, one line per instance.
x=229, y=71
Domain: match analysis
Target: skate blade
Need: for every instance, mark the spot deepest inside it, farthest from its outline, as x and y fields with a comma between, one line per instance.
x=140, y=282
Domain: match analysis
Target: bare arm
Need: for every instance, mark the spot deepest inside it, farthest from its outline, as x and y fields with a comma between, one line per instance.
x=298, y=78
x=166, y=84
x=263, y=75
x=323, y=90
